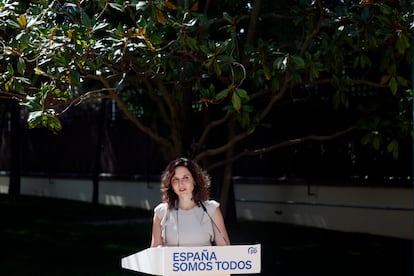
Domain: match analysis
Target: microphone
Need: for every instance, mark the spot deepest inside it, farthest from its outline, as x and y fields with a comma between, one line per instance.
x=176, y=211
x=214, y=223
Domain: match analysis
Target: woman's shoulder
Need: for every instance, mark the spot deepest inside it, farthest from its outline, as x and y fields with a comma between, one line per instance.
x=211, y=205
x=161, y=208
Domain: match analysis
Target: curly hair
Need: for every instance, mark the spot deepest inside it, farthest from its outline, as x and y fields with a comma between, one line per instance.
x=201, y=181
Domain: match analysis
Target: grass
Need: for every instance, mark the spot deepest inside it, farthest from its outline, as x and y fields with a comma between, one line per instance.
x=44, y=236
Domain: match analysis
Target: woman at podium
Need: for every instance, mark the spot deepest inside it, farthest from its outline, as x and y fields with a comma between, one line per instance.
x=186, y=216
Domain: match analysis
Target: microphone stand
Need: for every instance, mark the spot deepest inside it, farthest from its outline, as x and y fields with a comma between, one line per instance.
x=176, y=210
x=214, y=223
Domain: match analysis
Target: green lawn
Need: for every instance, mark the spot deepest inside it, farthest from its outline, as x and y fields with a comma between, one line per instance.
x=43, y=236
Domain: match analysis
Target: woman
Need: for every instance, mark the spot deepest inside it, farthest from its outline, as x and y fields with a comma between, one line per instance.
x=187, y=217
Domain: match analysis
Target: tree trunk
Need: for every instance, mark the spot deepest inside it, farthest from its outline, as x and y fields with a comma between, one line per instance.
x=225, y=199
x=98, y=153
x=15, y=172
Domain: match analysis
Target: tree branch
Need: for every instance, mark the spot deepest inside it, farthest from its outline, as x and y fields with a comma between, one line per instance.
x=89, y=96
x=310, y=36
x=174, y=122
x=284, y=144
x=196, y=146
x=224, y=148
x=155, y=98
x=277, y=96
x=358, y=81
x=243, y=135
x=253, y=21
x=166, y=145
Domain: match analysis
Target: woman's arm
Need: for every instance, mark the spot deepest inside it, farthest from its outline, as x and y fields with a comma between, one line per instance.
x=220, y=238
x=156, y=239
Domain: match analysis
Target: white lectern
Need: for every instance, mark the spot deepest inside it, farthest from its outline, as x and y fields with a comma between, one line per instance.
x=203, y=260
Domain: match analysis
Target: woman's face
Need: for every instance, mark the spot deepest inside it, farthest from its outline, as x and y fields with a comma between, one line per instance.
x=182, y=182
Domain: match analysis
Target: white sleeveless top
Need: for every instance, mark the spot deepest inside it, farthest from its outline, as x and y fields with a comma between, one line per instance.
x=186, y=227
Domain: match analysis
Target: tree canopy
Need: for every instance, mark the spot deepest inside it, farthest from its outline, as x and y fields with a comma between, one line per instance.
x=182, y=71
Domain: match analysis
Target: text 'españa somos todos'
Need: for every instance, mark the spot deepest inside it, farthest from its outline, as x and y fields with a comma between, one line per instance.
x=206, y=261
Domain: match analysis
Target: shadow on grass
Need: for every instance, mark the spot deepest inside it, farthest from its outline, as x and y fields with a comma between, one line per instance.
x=43, y=236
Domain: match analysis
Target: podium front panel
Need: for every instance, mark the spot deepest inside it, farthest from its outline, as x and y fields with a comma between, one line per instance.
x=212, y=260
x=149, y=261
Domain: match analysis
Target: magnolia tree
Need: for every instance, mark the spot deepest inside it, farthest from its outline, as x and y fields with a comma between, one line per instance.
x=182, y=70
